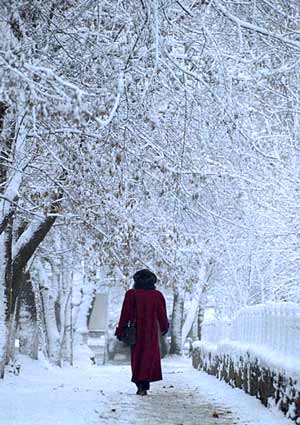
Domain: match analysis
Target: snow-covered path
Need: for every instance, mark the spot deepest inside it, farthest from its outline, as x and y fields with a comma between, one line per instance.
x=90, y=395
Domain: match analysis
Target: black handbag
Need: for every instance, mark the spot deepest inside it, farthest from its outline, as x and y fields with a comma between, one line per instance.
x=129, y=331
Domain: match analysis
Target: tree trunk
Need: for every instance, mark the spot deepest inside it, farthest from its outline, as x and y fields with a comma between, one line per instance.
x=52, y=334
x=66, y=280
x=82, y=311
x=200, y=318
x=41, y=328
x=21, y=252
x=48, y=313
x=191, y=316
x=3, y=300
x=6, y=308
x=27, y=320
x=201, y=310
x=10, y=179
x=176, y=323
x=197, y=296
x=65, y=336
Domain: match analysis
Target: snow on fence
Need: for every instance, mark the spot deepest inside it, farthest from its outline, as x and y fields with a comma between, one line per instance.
x=258, y=352
x=214, y=331
x=275, y=326
x=272, y=328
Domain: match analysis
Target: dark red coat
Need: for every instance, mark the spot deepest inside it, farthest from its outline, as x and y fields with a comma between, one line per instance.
x=151, y=315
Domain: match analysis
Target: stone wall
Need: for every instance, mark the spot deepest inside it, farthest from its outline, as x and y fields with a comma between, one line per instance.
x=246, y=372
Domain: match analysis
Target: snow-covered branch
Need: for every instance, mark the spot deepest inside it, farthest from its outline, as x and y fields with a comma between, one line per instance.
x=244, y=24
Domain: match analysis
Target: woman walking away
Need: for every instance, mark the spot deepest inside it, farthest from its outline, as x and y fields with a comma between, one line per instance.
x=147, y=306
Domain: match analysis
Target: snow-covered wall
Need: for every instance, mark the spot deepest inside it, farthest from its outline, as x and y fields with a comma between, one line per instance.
x=270, y=330
x=214, y=331
x=258, y=352
x=275, y=326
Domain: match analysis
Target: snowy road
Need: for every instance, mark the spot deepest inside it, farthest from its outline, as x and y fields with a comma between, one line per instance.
x=93, y=395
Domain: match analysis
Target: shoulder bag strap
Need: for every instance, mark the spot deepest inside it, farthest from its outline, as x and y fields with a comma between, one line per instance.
x=134, y=307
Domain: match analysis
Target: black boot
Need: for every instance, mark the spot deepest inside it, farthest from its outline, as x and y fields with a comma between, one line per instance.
x=145, y=386
x=141, y=388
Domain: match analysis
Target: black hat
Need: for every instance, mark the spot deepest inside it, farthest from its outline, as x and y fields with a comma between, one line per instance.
x=144, y=279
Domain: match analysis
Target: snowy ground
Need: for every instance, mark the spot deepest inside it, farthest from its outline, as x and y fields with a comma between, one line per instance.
x=104, y=395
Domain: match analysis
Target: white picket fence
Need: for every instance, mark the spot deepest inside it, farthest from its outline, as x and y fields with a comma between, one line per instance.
x=214, y=331
x=272, y=326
